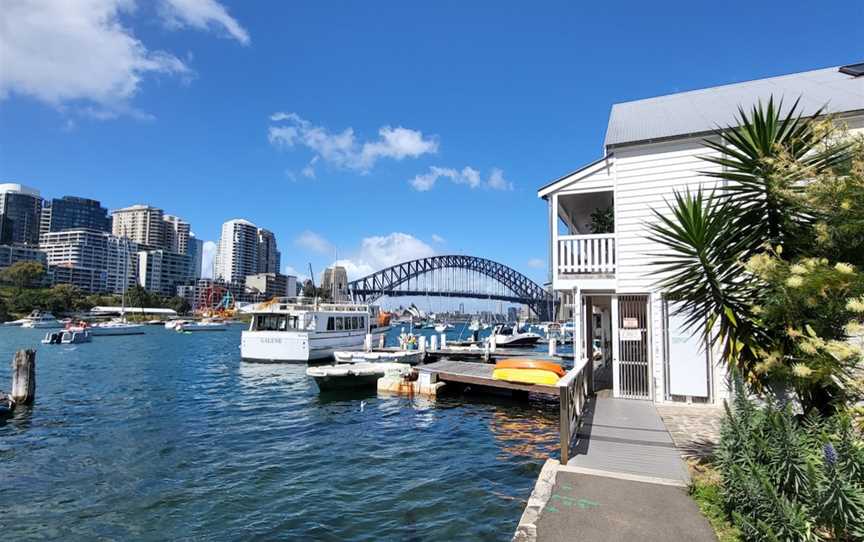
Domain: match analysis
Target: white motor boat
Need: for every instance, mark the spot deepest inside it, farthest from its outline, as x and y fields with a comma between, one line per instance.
x=303, y=329
x=353, y=375
x=441, y=328
x=38, y=319
x=411, y=357
x=512, y=336
x=203, y=325
x=15, y=322
x=66, y=337
x=172, y=324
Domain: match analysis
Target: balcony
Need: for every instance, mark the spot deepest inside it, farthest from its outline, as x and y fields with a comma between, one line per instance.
x=592, y=254
x=583, y=240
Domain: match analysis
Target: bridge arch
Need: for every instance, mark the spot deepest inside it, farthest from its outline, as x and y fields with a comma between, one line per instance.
x=396, y=281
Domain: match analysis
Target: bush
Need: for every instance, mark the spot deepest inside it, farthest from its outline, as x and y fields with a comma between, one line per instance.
x=791, y=478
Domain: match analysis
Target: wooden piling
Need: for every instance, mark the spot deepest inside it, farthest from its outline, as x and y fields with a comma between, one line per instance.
x=381, y=339
x=24, y=377
x=553, y=347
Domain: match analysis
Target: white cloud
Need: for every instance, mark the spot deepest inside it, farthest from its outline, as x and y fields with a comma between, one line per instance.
x=62, y=52
x=424, y=182
x=207, y=255
x=536, y=263
x=378, y=252
x=314, y=242
x=343, y=149
x=309, y=170
x=202, y=14
x=438, y=239
x=79, y=57
x=498, y=182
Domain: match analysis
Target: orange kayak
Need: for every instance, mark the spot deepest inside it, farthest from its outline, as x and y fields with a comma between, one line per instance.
x=516, y=363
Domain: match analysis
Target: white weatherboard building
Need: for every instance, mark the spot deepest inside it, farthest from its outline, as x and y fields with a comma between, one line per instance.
x=607, y=281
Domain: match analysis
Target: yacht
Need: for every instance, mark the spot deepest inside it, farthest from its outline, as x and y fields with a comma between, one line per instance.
x=302, y=329
x=512, y=336
x=38, y=319
x=116, y=326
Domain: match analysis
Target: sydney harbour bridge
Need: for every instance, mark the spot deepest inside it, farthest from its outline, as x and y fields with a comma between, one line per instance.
x=454, y=276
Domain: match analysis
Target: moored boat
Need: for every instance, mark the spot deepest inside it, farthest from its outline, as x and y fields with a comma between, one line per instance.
x=353, y=375
x=411, y=357
x=203, y=325
x=66, y=337
x=303, y=329
x=115, y=327
x=38, y=319
x=512, y=336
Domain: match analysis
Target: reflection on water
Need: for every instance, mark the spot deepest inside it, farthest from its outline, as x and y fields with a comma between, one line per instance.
x=167, y=435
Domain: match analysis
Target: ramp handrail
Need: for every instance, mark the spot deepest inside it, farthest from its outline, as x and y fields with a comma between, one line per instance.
x=573, y=391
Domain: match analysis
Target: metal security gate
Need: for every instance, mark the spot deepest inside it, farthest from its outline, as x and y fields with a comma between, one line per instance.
x=633, y=362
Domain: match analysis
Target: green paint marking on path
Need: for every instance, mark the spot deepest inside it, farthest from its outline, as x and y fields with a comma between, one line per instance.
x=551, y=509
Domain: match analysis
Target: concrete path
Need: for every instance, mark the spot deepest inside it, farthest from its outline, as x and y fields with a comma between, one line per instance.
x=597, y=508
x=625, y=481
x=627, y=437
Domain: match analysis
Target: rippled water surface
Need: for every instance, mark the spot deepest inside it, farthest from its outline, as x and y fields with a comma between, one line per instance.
x=166, y=436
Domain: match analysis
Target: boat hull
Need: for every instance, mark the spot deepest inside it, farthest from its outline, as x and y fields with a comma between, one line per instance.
x=294, y=346
x=520, y=341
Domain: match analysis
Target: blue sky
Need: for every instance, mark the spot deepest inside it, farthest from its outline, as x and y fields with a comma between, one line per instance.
x=324, y=121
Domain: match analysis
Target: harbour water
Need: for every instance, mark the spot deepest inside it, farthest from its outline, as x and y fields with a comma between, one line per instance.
x=170, y=436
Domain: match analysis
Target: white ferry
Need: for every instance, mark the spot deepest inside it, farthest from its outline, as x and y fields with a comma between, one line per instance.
x=302, y=329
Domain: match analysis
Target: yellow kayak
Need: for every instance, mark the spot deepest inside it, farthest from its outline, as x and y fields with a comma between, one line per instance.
x=526, y=376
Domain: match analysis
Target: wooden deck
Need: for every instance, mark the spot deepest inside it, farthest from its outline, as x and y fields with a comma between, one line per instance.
x=479, y=374
x=627, y=438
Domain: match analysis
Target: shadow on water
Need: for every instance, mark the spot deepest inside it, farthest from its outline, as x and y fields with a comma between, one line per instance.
x=341, y=396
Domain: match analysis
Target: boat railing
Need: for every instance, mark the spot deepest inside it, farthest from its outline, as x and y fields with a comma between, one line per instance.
x=574, y=388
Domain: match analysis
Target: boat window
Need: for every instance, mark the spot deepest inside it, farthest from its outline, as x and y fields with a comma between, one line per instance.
x=355, y=323
x=271, y=322
x=339, y=323
x=362, y=322
x=330, y=325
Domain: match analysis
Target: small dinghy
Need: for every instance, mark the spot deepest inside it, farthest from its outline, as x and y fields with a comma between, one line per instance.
x=353, y=375
x=411, y=357
x=526, y=371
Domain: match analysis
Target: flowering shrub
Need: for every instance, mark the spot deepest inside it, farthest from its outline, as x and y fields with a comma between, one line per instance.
x=790, y=479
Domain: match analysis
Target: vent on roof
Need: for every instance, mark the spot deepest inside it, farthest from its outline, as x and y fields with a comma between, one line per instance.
x=855, y=70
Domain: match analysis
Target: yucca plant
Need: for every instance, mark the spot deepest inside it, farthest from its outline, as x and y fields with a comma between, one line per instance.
x=756, y=207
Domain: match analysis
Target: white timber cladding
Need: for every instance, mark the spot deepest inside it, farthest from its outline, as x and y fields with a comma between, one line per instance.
x=647, y=177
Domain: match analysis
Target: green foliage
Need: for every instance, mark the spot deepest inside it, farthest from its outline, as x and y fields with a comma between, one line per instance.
x=755, y=262
x=791, y=479
x=24, y=274
x=603, y=220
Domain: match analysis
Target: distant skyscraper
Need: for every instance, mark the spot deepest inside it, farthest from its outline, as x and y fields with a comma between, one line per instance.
x=176, y=234
x=70, y=212
x=142, y=224
x=20, y=214
x=268, y=254
x=335, y=282
x=195, y=250
x=237, y=254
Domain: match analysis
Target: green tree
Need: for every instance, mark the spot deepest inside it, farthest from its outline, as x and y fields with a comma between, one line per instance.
x=138, y=296
x=178, y=304
x=23, y=274
x=65, y=298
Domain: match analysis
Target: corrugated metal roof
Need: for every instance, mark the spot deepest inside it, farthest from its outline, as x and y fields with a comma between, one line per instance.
x=700, y=111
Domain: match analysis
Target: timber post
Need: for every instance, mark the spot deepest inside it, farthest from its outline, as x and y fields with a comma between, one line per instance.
x=24, y=377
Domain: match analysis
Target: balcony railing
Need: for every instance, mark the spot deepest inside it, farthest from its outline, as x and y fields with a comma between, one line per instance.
x=584, y=254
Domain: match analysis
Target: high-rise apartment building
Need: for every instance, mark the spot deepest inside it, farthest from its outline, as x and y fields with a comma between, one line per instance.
x=244, y=249
x=195, y=250
x=142, y=224
x=20, y=214
x=93, y=260
x=71, y=212
x=161, y=271
x=268, y=254
x=176, y=231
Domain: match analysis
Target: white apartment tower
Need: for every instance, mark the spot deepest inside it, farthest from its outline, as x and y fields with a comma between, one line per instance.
x=237, y=254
